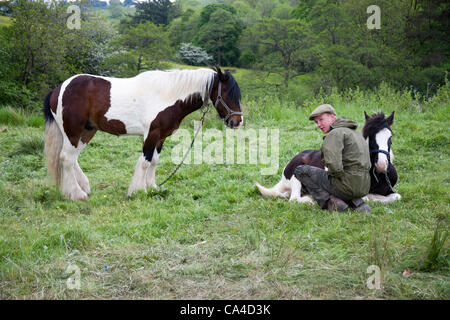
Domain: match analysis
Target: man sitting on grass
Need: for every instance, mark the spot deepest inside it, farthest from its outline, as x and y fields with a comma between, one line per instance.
x=346, y=155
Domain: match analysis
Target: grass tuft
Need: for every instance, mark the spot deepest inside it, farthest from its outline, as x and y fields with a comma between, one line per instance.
x=10, y=116
x=434, y=257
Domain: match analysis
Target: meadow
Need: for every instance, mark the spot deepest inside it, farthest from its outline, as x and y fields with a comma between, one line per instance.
x=208, y=233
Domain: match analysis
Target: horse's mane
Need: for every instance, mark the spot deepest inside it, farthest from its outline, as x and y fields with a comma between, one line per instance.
x=374, y=124
x=233, y=90
x=178, y=83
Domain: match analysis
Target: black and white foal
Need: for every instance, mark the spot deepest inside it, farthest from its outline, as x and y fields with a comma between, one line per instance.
x=378, y=134
x=383, y=176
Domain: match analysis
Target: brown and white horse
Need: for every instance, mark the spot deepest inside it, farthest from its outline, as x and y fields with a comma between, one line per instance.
x=377, y=132
x=151, y=104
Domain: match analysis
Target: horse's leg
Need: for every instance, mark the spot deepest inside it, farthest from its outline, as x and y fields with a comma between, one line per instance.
x=69, y=183
x=296, y=189
x=150, y=178
x=296, y=193
x=140, y=172
x=82, y=180
x=383, y=199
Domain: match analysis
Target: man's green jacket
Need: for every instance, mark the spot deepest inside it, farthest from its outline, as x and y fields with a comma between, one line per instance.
x=346, y=155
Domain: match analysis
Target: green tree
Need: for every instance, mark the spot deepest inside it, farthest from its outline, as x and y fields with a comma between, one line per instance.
x=281, y=46
x=220, y=36
x=42, y=51
x=410, y=48
x=90, y=47
x=148, y=43
x=246, y=14
x=207, y=11
x=158, y=12
x=303, y=9
x=39, y=55
x=184, y=28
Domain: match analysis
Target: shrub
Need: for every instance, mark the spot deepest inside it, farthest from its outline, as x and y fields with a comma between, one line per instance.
x=193, y=55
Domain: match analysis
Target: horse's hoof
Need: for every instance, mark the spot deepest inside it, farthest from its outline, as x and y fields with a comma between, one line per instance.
x=307, y=200
x=86, y=189
x=396, y=196
x=79, y=196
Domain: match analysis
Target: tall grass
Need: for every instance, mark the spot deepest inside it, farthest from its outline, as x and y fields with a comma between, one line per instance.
x=11, y=116
x=436, y=246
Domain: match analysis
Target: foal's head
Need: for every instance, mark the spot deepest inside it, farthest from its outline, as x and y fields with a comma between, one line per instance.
x=377, y=132
x=226, y=97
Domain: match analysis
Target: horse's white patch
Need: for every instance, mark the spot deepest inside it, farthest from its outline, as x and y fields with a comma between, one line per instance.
x=381, y=138
x=150, y=182
x=82, y=180
x=307, y=199
x=137, y=101
x=139, y=177
x=69, y=183
x=296, y=189
x=240, y=123
x=383, y=199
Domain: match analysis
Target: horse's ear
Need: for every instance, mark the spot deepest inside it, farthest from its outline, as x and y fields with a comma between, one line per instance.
x=366, y=116
x=219, y=72
x=390, y=119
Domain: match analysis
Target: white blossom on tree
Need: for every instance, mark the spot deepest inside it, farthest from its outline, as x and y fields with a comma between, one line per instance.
x=193, y=55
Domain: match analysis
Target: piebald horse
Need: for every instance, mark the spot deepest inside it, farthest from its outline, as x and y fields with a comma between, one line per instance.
x=377, y=132
x=151, y=104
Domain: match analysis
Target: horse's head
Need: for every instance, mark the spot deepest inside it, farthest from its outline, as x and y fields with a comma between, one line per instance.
x=377, y=132
x=226, y=96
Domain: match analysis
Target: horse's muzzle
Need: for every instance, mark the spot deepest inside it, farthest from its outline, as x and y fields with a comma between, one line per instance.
x=235, y=124
x=381, y=165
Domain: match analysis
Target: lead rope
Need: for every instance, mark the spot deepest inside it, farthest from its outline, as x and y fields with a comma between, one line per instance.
x=205, y=110
x=389, y=182
x=387, y=179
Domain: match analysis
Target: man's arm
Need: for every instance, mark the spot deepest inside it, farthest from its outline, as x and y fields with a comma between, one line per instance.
x=332, y=147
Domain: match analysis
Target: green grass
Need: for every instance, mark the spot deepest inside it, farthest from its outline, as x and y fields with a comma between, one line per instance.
x=208, y=233
x=5, y=21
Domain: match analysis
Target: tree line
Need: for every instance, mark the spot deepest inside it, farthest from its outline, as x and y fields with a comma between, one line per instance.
x=327, y=39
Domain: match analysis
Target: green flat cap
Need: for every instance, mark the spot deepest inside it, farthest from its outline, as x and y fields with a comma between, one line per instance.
x=324, y=108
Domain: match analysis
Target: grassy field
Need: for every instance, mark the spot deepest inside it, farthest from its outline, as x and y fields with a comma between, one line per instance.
x=208, y=233
x=5, y=21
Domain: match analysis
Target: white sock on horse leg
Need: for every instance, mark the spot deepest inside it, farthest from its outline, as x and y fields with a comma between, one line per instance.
x=140, y=172
x=296, y=189
x=82, y=180
x=69, y=184
x=150, y=178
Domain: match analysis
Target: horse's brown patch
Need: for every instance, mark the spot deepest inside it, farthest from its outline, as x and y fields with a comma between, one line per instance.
x=167, y=121
x=308, y=157
x=85, y=101
x=87, y=135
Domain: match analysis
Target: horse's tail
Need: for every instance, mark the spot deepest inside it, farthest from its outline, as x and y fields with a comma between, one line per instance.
x=275, y=191
x=53, y=141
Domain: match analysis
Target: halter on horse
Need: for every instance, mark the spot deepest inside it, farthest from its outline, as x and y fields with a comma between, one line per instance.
x=151, y=104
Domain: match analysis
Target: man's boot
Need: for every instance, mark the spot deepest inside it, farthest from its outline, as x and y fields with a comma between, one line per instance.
x=359, y=205
x=336, y=204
